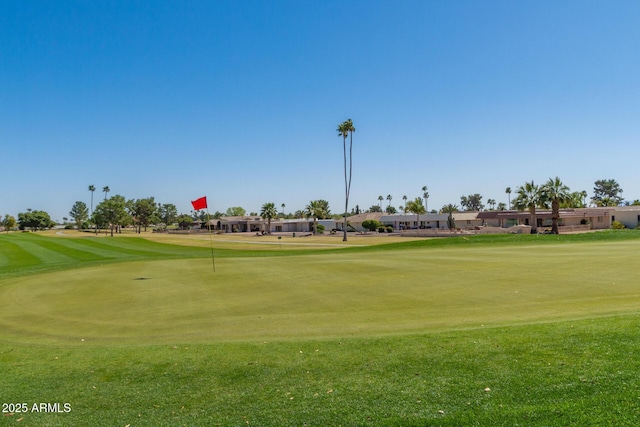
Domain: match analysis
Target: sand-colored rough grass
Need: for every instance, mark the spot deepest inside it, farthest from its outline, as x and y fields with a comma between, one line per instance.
x=250, y=241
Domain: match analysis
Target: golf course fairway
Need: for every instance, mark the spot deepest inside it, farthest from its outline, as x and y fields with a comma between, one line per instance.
x=123, y=306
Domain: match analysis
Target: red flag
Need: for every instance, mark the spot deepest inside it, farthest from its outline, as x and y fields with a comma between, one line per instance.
x=200, y=203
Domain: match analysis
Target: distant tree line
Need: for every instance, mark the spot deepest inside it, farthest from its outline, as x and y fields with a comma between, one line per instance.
x=116, y=212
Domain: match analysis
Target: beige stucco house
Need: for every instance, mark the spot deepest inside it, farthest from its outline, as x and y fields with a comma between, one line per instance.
x=574, y=219
x=243, y=224
x=628, y=215
x=410, y=222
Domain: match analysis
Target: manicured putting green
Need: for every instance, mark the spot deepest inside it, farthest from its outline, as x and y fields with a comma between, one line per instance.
x=323, y=295
x=485, y=330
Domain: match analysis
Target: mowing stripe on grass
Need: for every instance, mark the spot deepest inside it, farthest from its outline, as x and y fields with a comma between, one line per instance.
x=64, y=251
x=14, y=256
x=22, y=254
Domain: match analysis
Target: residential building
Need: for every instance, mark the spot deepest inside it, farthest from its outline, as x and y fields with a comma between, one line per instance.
x=409, y=222
x=574, y=219
x=466, y=220
x=243, y=224
x=628, y=215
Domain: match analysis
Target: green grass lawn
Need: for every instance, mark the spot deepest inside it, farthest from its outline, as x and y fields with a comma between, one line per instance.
x=485, y=330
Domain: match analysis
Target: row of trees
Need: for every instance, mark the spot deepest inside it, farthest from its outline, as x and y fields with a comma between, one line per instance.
x=116, y=212
x=392, y=210
x=553, y=194
x=606, y=192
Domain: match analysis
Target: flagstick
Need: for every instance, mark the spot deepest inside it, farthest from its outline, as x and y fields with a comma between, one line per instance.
x=213, y=260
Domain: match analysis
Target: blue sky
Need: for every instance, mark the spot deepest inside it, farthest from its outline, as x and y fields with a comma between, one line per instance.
x=239, y=101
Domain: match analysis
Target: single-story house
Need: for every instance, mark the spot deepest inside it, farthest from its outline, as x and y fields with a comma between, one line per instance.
x=242, y=224
x=466, y=220
x=412, y=221
x=579, y=218
x=398, y=222
x=355, y=221
x=628, y=215
x=239, y=224
x=298, y=225
x=575, y=219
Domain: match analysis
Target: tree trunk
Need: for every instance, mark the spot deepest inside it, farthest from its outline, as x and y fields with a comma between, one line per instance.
x=344, y=238
x=534, y=220
x=555, y=213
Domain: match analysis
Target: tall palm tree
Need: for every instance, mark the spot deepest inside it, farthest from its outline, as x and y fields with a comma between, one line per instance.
x=268, y=211
x=92, y=188
x=282, y=206
x=529, y=197
x=105, y=190
x=508, y=191
x=491, y=203
x=425, y=194
x=345, y=129
x=555, y=192
x=405, y=202
x=389, y=199
x=380, y=199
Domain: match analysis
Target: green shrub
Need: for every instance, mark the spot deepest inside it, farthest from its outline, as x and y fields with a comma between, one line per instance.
x=320, y=228
x=617, y=225
x=371, y=224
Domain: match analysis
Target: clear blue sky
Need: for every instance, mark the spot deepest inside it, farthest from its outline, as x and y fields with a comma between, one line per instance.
x=240, y=100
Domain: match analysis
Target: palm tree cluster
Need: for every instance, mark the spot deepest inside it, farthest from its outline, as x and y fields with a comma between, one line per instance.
x=551, y=194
